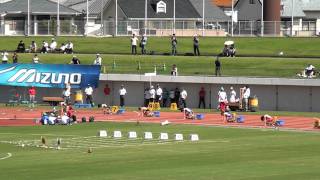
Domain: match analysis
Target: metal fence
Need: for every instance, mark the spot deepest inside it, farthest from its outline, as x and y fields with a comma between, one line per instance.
x=161, y=28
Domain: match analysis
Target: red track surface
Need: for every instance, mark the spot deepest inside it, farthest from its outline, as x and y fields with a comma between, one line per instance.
x=23, y=117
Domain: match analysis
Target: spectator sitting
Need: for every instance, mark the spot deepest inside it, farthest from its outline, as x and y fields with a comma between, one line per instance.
x=69, y=48
x=15, y=58
x=45, y=47
x=33, y=47
x=74, y=60
x=21, y=47
x=232, y=51
x=53, y=45
x=188, y=113
x=310, y=71
x=98, y=60
x=63, y=48
x=174, y=70
x=35, y=59
x=4, y=57
x=225, y=51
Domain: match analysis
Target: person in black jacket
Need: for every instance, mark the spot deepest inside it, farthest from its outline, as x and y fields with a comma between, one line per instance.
x=196, y=45
x=218, y=66
x=21, y=47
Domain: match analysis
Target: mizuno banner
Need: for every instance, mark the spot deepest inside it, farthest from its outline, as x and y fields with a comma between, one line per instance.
x=49, y=75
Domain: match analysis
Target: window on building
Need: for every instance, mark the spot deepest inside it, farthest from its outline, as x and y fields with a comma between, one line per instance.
x=252, y=1
x=161, y=7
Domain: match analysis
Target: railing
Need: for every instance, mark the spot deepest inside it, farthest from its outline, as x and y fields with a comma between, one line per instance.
x=161, y=28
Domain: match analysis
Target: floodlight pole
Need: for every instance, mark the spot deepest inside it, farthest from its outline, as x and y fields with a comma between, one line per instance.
x=292, y=9
x=232, y=11
x=102, y=24
x=116, y=18
x=87, y=20
x=145, y=16
x=203, y=17
x=58, y=18
x=174, y=16
x=28, y=23
x=262, y=19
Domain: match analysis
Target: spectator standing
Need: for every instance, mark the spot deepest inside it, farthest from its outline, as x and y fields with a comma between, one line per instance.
x=15, y=58
x=106, y=91
x=202, y=95
x=174, y=43
x=218, y=66
x=158, y=93
x=122, y=93
x=183, y=96
x=246, y=96
x=134, y=42
x=196, y=45
x=233, y=95
x=74, y=60
x=146, y=97
x=222, y=99
x=21, y=48
x=89, y=91
x=143, y=44
x=98, y=60
x=33, y=47
x=4, y=57
x=177, y=96
x=165, y=96
x=66, y=94
x=172, y=96
x=152, y=93
x=32, y=96
x=174, y=70
x=35, y=59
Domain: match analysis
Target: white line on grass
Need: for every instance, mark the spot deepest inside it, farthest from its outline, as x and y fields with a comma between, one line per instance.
x=9, y=155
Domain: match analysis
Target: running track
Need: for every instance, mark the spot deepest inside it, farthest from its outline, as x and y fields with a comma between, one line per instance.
x=22, y=117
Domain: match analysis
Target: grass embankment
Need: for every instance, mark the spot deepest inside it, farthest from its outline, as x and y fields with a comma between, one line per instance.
x=291, y=47
x=221, y=153
x=257, y=67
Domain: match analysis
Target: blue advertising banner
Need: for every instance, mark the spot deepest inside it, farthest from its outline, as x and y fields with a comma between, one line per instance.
x=49, y=75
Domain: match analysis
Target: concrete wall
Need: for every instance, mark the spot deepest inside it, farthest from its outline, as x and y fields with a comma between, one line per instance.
x=273, y=93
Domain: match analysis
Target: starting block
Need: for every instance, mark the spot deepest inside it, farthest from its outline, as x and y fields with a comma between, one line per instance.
x=199, y=116
x=121, y=111
x=77, y=105
x=173, y=107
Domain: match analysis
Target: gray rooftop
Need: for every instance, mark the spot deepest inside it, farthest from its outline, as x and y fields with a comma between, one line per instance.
x=36, y=7
x=211, y=11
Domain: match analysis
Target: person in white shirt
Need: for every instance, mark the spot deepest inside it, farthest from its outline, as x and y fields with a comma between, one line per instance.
x=134, y=42
x=66, y=95
x=188, y=113
x=174, y=70
x=122, y=93
x=63, y=48
x=35, y=59
x=69, y=48
x=4, y=57
x=152, y=93
x=89, y=91
x=233, y=95
x=223, y=100
x=98, y=60
x=246, y=96
x=183, y=97
x=309, y=71
x=158, y=93
x=53, y=45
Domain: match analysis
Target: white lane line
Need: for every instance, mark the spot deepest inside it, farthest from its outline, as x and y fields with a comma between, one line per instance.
x=6, y=157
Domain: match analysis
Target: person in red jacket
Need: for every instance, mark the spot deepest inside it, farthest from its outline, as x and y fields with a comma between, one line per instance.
x=32, y=96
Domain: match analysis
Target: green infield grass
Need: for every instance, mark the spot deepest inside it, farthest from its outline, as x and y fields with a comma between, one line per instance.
x=291, y=47
x=221, y=153
x=240, y=66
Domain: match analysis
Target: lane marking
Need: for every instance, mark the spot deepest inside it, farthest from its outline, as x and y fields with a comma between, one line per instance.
x=9, y=155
